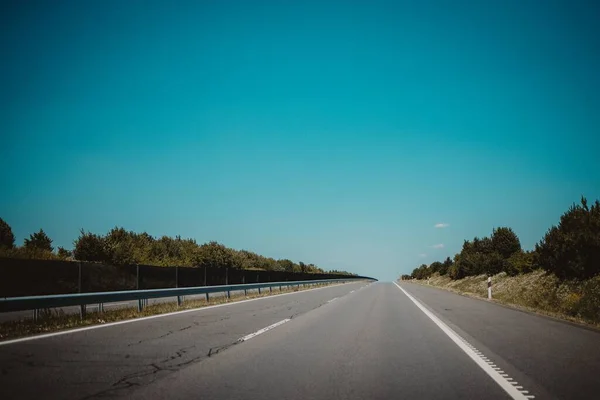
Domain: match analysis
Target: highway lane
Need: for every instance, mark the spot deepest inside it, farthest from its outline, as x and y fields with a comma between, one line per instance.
x=371, y=344
x=353, y=341
x=110, y=360
x=555, y=359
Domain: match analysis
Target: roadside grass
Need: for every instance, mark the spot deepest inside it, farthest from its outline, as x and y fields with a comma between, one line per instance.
x=54, y=320
x=537, y=291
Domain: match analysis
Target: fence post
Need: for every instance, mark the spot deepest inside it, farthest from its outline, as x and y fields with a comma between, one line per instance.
x=79, y=278
x=177, y=284
x=489, y=287
x=137, y=286
x=81, y=306
x=227, y=281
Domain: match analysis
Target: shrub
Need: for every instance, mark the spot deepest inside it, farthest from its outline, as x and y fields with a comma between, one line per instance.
x=572, y=249
x=7, y=239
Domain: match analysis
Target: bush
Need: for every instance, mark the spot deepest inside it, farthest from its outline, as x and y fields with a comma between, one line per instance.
x=572, y=249
x=521, y=262
x=39, y=241
x=89, y=247
x=7, y=239
x=505, y=242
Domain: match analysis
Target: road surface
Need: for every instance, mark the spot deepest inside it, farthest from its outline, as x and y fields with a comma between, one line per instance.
x=352, y=341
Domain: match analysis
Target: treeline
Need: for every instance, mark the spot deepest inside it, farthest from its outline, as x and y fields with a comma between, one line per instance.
x=570, y=250
x=122, y=247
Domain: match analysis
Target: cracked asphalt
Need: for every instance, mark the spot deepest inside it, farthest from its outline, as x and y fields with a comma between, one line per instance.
x=113, y=360
x=373, y=342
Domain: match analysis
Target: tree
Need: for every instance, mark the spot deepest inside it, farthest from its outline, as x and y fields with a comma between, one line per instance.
x=286, y=265
x=302, y=266
x=521, y=262
x=214, y=254
x=505, y=242
x=446, y=266
x=119, y=247
x=572, y=249
x=435, y=266
x=89, y=247
x=422, y=272
x=64, y=253
x=39, y=241
x=7, y=239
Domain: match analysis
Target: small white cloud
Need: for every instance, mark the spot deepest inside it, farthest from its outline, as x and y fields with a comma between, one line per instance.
x=422, y=255
x=438, y=246
x=441, y=225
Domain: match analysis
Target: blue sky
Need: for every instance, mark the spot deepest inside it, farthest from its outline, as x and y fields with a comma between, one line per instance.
x=337, y=133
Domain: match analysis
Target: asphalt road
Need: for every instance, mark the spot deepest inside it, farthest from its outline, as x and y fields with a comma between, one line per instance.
x=353, y=341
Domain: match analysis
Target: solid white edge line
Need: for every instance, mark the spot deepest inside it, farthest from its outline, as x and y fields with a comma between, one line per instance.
x=263, y=330
x=127, y=321
x=460, y=342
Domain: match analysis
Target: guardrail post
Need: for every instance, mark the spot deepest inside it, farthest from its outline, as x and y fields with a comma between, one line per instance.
x=207, y=297
x=244, y=282
x=82, y=311
x=258, y=290
x=140, y=305
x=101, y=308
x=270, y=289
x=36, y=315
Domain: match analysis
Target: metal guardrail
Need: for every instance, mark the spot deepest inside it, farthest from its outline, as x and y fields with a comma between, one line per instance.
x=35, y=303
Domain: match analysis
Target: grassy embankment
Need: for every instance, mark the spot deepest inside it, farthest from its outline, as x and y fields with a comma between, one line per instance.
x=538, y=291
x=56, y=320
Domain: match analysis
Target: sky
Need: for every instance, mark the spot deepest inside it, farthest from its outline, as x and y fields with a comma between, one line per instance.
x=365, y=136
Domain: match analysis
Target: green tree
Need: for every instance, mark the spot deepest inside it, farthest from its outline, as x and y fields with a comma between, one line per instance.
x=302, y=266
x=63, y=253
x=7, y=239
x=89, y=247
x=286, y=265
x=435, y=266
x=214, y=254
x=505, y=242
x=39, y=241
x=446, y=266
x=422, y=272
x=521, y=262
x=119, y=247
x=572, y=249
